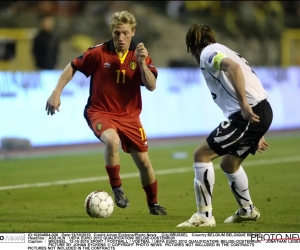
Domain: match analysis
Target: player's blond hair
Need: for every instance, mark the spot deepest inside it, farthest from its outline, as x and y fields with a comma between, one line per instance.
x=198, y=37
x=122, y=17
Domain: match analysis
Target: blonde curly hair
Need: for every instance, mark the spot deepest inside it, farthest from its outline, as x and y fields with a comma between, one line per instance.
x=123, y=17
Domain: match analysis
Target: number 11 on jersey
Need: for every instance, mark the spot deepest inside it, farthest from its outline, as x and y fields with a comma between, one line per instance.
x=121, y=72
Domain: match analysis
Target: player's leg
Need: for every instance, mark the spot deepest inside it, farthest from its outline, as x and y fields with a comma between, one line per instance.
x=235, y=139
x=204, y=180
x=111, y=140
x=105, y=130
x=134, y=141
x=239, y=186
x=143, y=163
x=203, y=186
x=239, y=149
x=148, y=181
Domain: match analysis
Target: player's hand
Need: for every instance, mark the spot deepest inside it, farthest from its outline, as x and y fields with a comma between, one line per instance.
x=141, y=52
x=248, y=114
x=53, y=103
x=262, y=145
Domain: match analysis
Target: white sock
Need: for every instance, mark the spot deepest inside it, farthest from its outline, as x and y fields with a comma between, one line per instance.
x=203, y=185
x=238, y=183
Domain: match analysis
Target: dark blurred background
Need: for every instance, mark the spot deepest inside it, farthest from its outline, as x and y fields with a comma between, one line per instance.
x=265, y=32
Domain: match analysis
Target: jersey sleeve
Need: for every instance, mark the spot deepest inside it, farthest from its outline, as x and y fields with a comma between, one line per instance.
x=211, y=59
x=86, y=63
x=151, y=66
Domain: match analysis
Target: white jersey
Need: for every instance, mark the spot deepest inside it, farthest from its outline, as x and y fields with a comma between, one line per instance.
x=220, y=86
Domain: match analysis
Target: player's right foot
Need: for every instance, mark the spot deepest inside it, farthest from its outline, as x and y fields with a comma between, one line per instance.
x=120, y=197
x=237, y=218
x=198, y=221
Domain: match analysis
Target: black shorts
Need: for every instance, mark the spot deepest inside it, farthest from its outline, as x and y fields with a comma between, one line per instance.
x=238, y=136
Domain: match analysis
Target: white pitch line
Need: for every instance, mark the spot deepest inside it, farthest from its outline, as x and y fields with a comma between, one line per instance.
x=157, y=172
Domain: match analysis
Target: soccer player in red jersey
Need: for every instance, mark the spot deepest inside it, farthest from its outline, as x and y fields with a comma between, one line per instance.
x=117, y=68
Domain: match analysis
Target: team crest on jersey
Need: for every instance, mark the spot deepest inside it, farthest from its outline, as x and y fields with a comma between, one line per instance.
x=133, y=65
x=99, y=126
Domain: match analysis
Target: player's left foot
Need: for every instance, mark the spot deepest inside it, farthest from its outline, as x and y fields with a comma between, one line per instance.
x=238, y=218
x=157, y=209
x=198, y=221
x=120, y=197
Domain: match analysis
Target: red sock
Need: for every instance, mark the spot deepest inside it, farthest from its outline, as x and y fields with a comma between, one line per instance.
x=151, y=192
x=114, y=176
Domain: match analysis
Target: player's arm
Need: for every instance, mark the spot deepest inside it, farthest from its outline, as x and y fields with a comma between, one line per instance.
x=53, y=101
x=148, y=78
x=65, y=77
x=85, y=63
x=236, y=77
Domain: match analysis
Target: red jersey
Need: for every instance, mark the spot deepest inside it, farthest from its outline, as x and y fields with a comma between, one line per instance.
x=115, y=82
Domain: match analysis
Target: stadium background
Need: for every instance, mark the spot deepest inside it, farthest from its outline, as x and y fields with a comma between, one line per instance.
x=36, y=148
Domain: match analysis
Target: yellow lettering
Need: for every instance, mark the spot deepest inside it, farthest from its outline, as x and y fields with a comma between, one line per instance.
x=143, y=134
x=123, y=71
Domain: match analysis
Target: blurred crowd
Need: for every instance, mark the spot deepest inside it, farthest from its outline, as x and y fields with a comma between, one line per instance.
x=11, y=13
x=87, y=21
x=73, y=17
x=236, y=17
x=246, y=18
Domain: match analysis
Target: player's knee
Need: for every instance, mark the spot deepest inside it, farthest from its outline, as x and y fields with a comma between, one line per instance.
x=202, y=153
x=229, y=166
x=110, y=138
x=144, y=164
x=113, y=143
x=225, y=167
x=199, y=155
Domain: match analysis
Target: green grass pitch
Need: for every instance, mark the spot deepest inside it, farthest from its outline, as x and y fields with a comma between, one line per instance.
x=273, y=181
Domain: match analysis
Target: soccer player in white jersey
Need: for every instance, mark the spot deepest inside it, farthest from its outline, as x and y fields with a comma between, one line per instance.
x=237, y=90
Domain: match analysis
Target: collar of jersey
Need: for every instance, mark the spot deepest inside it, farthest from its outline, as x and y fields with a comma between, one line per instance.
x=122, y=58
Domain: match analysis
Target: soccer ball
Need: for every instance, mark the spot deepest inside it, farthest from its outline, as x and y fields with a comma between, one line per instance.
x=99, y=204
